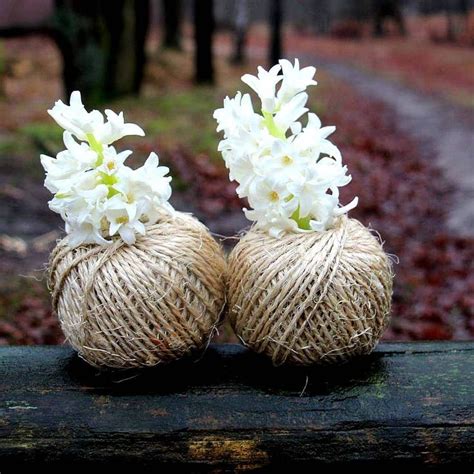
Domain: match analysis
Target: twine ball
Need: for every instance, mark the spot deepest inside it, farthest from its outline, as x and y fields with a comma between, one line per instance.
x=138, y=305
x=310, y=298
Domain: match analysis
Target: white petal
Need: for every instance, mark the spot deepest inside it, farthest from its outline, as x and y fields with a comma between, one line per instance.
x=133, y=129
x=140, y=227
x=47, y=162
x=127, y=235
x=76, y=99
x=114, y=227
x=347, y=207
x=152, y=160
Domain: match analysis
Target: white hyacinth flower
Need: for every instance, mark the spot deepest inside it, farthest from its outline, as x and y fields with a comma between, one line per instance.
x=96, y=194
x=290, y=112
x=115, y=128
x=62, y=170
x=295, y=80
x=264, y=85
x=84, y=233
x=124, y=217
x=289, y=173
x=74, y=118
x=82, y=124
x=270, y=193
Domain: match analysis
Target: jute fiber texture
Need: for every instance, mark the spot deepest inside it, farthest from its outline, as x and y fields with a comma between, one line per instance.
x=319, y=297
x=155, y=301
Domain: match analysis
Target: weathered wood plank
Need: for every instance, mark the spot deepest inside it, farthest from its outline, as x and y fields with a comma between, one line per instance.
x=404, y=404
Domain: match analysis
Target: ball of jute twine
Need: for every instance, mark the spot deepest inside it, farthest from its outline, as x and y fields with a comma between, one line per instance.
x=319, y=297
x=155, y=301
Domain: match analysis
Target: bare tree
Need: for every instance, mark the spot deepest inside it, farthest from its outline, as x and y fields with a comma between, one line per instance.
x=240, y=33
x=203, y=33
x=453, y=11
x=388, y=9
x=126, y=31
x=102, y=48
x=172, y=24
x=276, y=14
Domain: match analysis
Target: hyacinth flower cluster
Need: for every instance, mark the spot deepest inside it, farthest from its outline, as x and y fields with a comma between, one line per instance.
x=289, y=173
x=96, y=194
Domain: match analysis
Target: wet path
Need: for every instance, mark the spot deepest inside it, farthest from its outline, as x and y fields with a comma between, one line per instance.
x=445, y=132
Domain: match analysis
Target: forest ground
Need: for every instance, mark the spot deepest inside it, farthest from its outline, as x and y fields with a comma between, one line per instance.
x=406, y=192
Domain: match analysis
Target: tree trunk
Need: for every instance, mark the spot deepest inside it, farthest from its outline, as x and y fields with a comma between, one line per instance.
x=450, y=30
x=142, y=23
x=388, y=9
x=203, y=32
x=76, y=30
x=103, y=47
x=172, y=24
x=240, y=33
x=276, y=15
x=127, y=24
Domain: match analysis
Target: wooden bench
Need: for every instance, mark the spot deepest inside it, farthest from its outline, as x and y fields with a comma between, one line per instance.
x=406, y=404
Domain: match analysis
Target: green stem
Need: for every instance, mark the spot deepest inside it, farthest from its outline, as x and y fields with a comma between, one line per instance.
x=269, y=122
x=109, y=181
x=97, y=147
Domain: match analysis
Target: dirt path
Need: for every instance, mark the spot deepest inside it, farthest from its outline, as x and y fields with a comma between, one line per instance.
x=444, y=131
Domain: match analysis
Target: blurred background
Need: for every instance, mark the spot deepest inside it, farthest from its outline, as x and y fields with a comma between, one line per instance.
x=396, y=77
